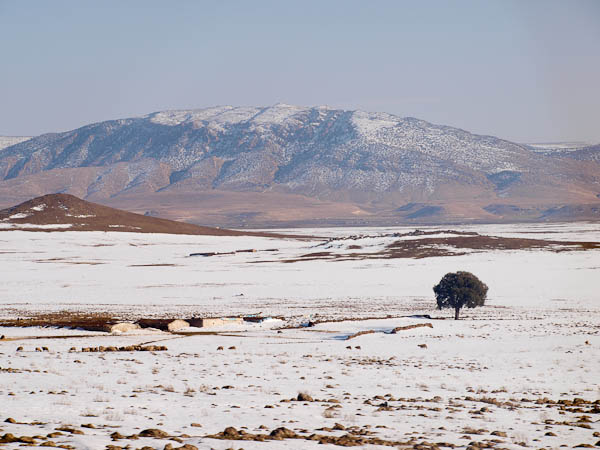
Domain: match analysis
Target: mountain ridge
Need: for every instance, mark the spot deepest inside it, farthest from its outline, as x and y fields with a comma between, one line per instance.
x=372, y=162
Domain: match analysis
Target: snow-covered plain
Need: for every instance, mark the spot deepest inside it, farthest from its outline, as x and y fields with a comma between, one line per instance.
x=496, y=371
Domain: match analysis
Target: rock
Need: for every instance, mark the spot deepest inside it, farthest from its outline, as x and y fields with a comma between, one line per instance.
x=219, y=348
x=121, y=327
x=498, y=433
x=282, y=433
x=48, y=444
x=231, y=432
x=27, y=440
x=194, y=424
x=10, y=420
x=70, y=430
x=177, y=324
x=304, y=397
x=8, y=437
x=19, y=349
x=422, y=345
x=154, y=433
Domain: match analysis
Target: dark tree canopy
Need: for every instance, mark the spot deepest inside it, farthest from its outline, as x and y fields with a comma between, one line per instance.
x=460, y=289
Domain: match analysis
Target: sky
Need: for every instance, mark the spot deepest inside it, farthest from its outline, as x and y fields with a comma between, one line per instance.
x=527, y=71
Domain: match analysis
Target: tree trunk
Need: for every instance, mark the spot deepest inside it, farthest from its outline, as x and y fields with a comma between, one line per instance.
x=456, y=311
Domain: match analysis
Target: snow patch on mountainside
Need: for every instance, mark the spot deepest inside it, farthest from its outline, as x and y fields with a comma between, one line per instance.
x=7, y=141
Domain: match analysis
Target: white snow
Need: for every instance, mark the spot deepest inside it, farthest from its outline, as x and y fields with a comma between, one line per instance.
x=19, y=216
x=7, y=141
x=124, y=226
x=536, y=337
x=228, y=115
x=48, y=226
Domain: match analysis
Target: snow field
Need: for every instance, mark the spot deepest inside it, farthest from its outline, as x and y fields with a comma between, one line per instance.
x=500, y=370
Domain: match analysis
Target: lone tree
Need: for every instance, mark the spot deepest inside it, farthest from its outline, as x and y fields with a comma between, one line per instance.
x=458, y=289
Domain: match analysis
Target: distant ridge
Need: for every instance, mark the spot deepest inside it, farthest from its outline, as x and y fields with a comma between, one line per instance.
x=285, y=165
x=65, y=212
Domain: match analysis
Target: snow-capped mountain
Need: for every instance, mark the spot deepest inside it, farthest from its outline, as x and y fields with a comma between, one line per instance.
x=7, y=141
x=362, y=158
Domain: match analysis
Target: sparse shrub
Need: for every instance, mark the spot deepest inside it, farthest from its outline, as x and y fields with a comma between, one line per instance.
x=459, y=289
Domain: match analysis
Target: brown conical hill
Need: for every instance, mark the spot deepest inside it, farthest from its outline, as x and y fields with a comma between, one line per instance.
x=65, y=212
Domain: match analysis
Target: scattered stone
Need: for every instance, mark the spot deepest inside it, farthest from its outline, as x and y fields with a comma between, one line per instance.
x=70, y=430
x=304, y=397
x=128, y=348
x=8, y=437
x=154, y=433
x=282, y=433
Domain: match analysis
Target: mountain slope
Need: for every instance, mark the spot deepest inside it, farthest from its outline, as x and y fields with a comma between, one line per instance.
x=7, y=141
x=358, y=163
x=67, y=212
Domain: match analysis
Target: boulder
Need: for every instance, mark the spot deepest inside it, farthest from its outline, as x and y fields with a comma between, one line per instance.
x=154, y=433
x=121, y=327
x=177, y=324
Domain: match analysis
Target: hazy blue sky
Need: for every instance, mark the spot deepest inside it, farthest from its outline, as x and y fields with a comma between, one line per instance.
x=523, y=70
